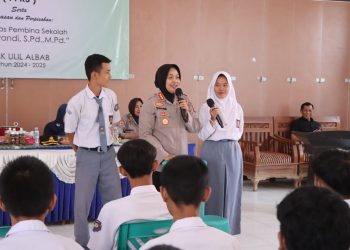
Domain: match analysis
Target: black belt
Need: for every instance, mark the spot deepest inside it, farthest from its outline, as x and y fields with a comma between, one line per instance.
x=97, y=149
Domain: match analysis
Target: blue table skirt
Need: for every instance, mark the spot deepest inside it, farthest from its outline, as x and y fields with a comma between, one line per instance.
x=64, y=209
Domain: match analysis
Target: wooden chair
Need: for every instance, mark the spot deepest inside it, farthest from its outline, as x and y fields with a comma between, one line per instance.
x=329, y=122
x=265, y=155
x=281, y=128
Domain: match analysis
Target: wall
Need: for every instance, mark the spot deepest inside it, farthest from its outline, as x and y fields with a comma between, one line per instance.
x=300, y=38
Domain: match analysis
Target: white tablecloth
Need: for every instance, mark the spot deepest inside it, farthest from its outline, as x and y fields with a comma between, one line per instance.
x=60, y=161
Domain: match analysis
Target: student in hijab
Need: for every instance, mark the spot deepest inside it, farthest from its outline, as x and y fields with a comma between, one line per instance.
x=56, y=127
x=161, y=122
x=222, y=151
x=129, y=123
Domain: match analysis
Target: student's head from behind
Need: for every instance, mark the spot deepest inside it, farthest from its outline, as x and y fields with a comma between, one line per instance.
x=137, y=158
x=98, y=69
x=164, y=247
x=26, y=188
x=332, y=169
x=306, y=110
x=184, y=182
x=313, y=218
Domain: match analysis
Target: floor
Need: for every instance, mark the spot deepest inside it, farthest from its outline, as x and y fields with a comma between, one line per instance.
x=259, y=223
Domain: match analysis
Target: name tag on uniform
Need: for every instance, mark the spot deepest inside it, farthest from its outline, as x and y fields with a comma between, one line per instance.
x=238, y=123
x=110, y=118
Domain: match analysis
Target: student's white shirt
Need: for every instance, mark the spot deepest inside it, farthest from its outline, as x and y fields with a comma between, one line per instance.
x=143, y=203
x=231, y=131
x=347, y=201
x=81, y=117
x=33, y=234
x=192, y=234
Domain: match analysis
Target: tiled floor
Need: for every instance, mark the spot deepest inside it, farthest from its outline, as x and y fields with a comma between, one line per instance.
x=259, y=222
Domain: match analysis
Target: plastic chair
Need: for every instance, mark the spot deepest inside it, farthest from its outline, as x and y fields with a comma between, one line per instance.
x=218, y=222
x=4, y=230
x=133, y=235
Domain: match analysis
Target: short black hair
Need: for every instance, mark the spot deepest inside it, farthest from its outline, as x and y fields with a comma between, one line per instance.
x=164, y=247
x=94, y=63
x=314, y=218
x=26, y=187
x=333, y=167
x=306, y=104
x=136, y=157
x=185, y=178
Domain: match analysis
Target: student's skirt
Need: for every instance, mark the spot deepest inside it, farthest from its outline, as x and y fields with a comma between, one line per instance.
x=225, y=165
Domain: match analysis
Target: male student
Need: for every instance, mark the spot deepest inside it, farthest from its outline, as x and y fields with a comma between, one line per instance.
x=332, y=169
x=313, y=218
x=27, y=193
x=184, y=185
x=89, y=117
x=137, y=159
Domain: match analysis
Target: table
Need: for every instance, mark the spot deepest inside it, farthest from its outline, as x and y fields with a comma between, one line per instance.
x=61, y=162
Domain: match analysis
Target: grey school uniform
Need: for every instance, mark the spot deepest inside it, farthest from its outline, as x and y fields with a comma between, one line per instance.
x=224, y=157
x=92, y=166
x=162, y=125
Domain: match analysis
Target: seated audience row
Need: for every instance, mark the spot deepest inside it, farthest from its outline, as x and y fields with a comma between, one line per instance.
x=310, y=217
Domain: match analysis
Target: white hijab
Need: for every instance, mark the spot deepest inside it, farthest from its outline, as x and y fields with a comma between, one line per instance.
x=228, y=106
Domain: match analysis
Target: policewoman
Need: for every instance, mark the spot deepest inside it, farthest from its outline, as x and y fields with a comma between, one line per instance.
x=161, y=122
x=89, y=117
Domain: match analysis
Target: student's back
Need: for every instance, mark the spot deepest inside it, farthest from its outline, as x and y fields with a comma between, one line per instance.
x=192, y=233
x=27, y=193
x=183, y=191
x=137, y=158
x=33, y=234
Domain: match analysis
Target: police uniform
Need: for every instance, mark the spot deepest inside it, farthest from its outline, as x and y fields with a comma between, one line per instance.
x=113, y=214
x=192, y=233
x=128, y=124
x=33, y=234
x=162, y=125
x=93, y=166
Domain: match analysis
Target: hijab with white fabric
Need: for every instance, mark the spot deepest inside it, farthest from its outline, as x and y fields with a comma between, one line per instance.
x=227, y=105
x=230, y=112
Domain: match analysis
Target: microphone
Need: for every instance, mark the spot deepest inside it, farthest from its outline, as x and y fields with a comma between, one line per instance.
x=211, y=104
x=180, y=96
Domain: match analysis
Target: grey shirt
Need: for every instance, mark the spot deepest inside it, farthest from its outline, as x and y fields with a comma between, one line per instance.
x=162, y=125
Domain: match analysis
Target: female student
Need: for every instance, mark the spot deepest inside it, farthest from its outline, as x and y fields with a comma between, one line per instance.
x=222, y=151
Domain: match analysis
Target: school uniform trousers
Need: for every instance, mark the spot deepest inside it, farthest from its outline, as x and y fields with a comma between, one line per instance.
x=93, y=166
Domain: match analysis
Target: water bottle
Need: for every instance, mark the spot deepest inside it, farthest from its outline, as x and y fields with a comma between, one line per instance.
x=36, y=136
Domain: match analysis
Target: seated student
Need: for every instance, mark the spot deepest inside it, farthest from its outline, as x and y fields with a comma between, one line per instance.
x=305, y=123
x=313, y=218
x=129, y=123
x=184, y=185
x=56, y=127
x=137, y=159
x=332, y=169
x=27, y=193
